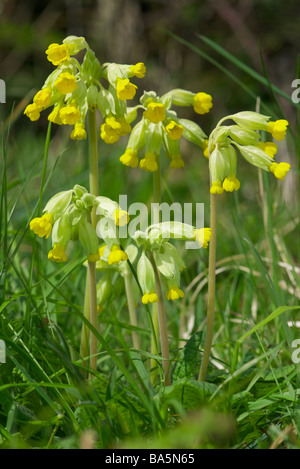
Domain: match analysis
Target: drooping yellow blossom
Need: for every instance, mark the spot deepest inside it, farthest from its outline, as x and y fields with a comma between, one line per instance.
x=43, y=97
x=280, y=170
x=205, y=149
x=270, y=148
x=149, y=162
x=54, y=116
x=202, y=236
x=79, y=132
x=174, y=130
x=202, y=103
x=58, y=53
x=42, y=226
x=216, y=188
x=125, y=89
x=231, y=183
x=129, y=158
x=174, y=293
x=69, y=114
x=33, y=112
x=111, y=130
x=278, y=129
x=116, y=255
x=66, y=83
x=176, y=162
x=149, y=298
x=138, y=70
x=101, y=250
x=155, y=112
x=57, y=254
x=121, y=217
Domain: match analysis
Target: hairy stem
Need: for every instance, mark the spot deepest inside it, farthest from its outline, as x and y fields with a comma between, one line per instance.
x=90, y=302
x=162, y=326
x=131, y=309
x=211, y=288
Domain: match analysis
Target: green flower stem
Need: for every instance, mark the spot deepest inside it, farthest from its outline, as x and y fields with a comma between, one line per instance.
x=162, y=325
x=155, y=321
x=90, y=302
x=84, y=344
x=211, y=288
x=132, y=311
x=93, y=313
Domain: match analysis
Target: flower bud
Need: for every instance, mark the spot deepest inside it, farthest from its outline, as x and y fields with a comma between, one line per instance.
x=58, y=204
x=146, y=278
x=75, y=44
x=192, y=132
x=89, y=240
x=250, y=120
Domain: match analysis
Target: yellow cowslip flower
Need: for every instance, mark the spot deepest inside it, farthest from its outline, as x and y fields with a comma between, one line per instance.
x=138, y=70
x=116, y=255
x=57, y=254
x=111, y=130
x=43, y=97
x=101, y=250
x=66, y=83
x=129, y=158
x=155, y=112
x=149, y=162
x=125, y=127
x=205, y=148
x=33, y=111
x=202, y=103
x=202, y=236
x=149, y=298
x=174, y=293
x=79, y=132
x=176, y=162
x=125, y=89
x=69, y=114
x=231, y=183
x=94, y=257
x=216, y=187
x=278, y=128
x=279, y=170
x=54, y=116
x=174, y=130
x=58, y=53
x=42, y=226
x=121, y=217
x=270, y=148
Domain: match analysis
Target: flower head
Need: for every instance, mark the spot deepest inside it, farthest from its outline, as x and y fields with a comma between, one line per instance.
x=138, y=70
x=174, y=130
x=278, y=129
x=33, y=111
x=43, y=97
x=202, y=103
x=69, y=114
x=279, y=170
x=58, y=53
x=79, y=132
x=129, y=158
x=42, y=226
x=57, y=254
x=66, y=83
x=125, y=89
x=116, y=255
x=174, y=293
x=155, y=112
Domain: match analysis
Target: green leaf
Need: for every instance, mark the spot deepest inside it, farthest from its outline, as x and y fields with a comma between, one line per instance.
x=191, y=394
x=186, y=362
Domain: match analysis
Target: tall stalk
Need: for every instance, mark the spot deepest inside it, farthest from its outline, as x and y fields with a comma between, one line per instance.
x=131, y=309
x=90, y=302
x=211, y=288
